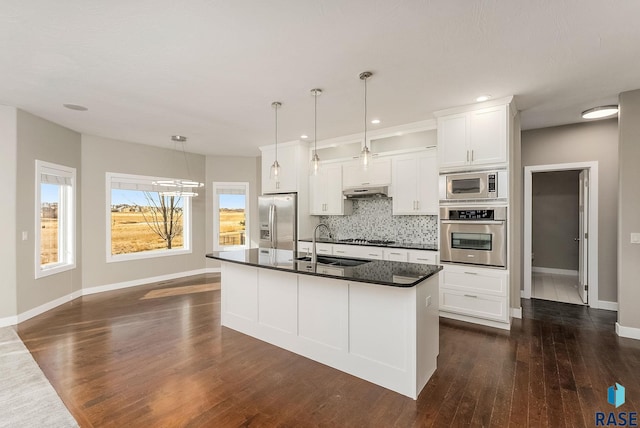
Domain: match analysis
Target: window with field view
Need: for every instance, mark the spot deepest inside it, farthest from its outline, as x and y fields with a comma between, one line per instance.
x=231, y=216
x=55, y=224
x=145, y=221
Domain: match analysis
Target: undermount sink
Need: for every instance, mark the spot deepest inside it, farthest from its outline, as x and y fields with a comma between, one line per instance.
x=335, y=261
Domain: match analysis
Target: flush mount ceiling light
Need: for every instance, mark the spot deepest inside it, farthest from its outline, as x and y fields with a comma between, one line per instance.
x=179, y=187
x=600, y=112
x=274, y=172
x=482, y=98
x=304, y=137
x=76, y=107
x=315, y=160
x=375, y=121
x=365, y=154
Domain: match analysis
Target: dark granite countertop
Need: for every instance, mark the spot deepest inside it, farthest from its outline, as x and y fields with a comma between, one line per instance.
x=405, y=245
x=382, y=272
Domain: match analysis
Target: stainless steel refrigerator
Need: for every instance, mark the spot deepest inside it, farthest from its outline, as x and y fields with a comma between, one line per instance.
x=278, y=216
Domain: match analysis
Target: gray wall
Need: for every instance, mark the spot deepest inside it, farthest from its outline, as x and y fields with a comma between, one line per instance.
x=47, y=141
x=590, y=141
x=233, y=169
x=629, y=209
x=555, y=210
x=102, y=155
x=8, y=175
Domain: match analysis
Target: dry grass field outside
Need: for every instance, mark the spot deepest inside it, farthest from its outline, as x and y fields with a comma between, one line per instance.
x=232, y=226
x=130, y=233
x=48, y=240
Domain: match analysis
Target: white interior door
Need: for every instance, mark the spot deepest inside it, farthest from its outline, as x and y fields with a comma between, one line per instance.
x=583, y=236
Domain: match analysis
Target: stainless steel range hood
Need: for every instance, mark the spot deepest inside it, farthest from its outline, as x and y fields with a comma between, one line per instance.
x=366, y=192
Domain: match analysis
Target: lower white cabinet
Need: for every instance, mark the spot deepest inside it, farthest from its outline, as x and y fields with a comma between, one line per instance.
x=358, y=251
x=396, y=255
x=423, y=257
x=475, y=294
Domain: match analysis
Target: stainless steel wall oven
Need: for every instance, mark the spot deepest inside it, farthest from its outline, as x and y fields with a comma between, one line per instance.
x=474, y=235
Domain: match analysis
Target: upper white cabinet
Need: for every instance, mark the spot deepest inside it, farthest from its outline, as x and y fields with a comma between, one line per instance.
x=475, y=138
x=415, y=183
x=288, y=155
x=378, y=173
x=325, y=191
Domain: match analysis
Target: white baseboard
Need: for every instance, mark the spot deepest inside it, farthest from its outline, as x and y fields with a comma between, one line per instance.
x=609, y=306
x=630, y=332
x=474, y=320
x=213, y=270
x=8, y=321
x=135, y=282
x=516, y=313
x=555, y=271
x=44, y=308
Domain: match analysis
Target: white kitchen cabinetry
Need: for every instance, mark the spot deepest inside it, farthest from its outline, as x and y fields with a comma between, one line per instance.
x=474, y=138
x=358, y=251
x=415, y=183
x=288, y=159
x=475, y=294
x=423, y=257
x=378, y=173
x=325, y=190
x=322, y=248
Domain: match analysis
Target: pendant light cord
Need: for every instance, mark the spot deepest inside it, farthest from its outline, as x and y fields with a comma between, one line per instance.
x=276, y=107
x=365, y=112
x=315, y=122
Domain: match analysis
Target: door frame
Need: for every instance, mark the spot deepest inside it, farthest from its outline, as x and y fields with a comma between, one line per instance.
x=592, y=245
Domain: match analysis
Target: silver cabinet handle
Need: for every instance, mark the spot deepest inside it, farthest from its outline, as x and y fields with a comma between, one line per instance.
x=417, y=205
x=467, y=155
x=471, y=295
x=374, y=254
x=338, y=251
x=471, y=273
x=471, y=155
x=396, y=254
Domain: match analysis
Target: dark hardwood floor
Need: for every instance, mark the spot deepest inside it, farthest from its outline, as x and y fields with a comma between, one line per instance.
x=156, y=355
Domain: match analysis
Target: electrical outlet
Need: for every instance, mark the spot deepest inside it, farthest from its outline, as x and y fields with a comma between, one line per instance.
x=635, y=238
x=25, y=235
x=427, y=301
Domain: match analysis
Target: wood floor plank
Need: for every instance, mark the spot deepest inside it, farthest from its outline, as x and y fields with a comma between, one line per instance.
x=117, y=359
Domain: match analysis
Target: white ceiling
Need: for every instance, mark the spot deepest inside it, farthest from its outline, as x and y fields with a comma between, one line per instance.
x=208, y=69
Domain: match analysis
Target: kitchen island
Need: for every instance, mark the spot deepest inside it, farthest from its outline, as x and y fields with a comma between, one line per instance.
x=377, y=320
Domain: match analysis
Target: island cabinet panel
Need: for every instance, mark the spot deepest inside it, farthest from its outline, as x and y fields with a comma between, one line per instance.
x=277, y=303
x=240, y=303
x=323, y=313
x=376, y=315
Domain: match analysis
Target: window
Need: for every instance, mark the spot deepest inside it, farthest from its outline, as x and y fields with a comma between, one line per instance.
x=143, y=221
x=230, y=216
x=55, y=218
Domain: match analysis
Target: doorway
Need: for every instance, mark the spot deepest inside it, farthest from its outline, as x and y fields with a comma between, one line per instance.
x=560, y=232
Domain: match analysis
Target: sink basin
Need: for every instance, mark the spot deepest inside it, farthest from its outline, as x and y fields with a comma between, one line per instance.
x=335, y=261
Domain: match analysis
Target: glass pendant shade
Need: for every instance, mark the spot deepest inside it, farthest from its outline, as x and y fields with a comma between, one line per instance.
x=314, y=168
x=365, y=157
x=274, y=173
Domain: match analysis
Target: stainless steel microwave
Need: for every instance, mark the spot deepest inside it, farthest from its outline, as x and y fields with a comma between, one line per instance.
x=481, y=185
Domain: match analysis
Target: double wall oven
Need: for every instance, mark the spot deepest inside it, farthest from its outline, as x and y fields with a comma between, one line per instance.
x=474, y=235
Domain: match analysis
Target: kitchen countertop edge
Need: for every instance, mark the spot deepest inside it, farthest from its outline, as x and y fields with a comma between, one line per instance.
x=421, y=247
x=437, y=269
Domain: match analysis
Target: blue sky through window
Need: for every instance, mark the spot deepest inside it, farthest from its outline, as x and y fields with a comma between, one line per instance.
x=49, y=193
x=232, y=201
x=132, y=197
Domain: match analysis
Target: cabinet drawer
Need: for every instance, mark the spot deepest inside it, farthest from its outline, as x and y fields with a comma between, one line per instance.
x=474, y=280
x=423, y=257
x=395, y=255
x=304, y=247
x=345, y=250
x=474, y=304
x=324, y=248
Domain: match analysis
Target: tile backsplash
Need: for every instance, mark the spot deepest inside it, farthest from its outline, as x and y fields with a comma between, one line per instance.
x=372, y=219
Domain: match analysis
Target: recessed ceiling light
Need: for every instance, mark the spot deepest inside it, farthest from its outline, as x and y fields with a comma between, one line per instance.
x=304, y=136
x=375, y=121
x=482, y=98
x=600, y=112
x=76, y=107
x=179, y=138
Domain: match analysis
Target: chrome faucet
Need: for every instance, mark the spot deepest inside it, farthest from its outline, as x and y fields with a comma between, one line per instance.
x=314, y=255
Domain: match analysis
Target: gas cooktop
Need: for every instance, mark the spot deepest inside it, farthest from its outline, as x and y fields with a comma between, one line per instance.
x=362, y=241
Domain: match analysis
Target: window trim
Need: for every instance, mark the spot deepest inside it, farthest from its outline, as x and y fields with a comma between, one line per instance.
x=216, y=215
x=67, y=212
x=150, y=254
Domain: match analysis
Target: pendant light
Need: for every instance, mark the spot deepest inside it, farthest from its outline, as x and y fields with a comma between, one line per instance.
x=315, y=160
x=365, y=154
x=179, y=187
x=274, y=173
